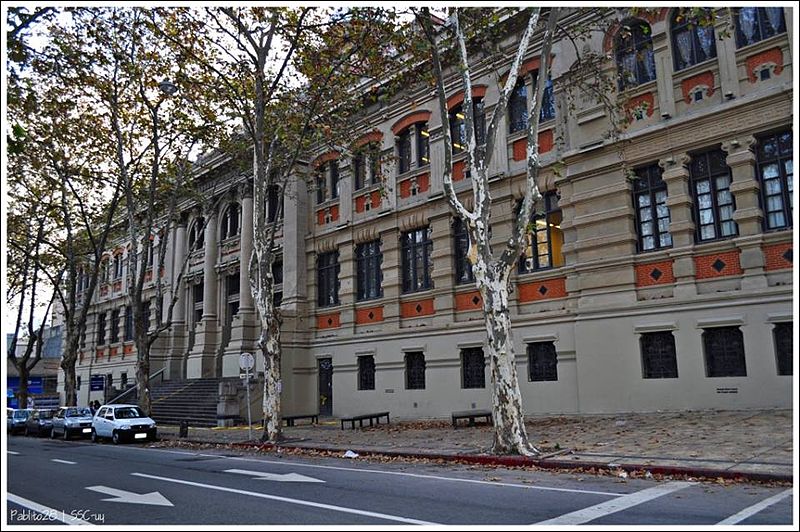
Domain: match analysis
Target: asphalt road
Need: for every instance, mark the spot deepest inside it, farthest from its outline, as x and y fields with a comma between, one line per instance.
x=56, y=482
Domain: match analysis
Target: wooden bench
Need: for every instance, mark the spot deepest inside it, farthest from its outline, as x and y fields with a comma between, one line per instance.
x=471, y=415
x=291, y=419
x=376, y=417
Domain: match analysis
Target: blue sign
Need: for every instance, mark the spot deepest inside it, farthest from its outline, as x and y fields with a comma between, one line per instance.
x=97, y=383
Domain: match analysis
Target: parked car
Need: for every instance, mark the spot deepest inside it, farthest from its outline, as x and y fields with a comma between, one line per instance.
x=16, y=419
x=122, y=422
x=40, y=422
x=72, y=421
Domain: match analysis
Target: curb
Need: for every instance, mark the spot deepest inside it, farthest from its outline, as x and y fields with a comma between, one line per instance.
x=522, y=461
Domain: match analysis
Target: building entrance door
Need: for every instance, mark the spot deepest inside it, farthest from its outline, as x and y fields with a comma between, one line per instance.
x=325, y=387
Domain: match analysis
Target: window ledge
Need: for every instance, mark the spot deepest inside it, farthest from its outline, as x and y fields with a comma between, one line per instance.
x=689, y=71
x=761, y=45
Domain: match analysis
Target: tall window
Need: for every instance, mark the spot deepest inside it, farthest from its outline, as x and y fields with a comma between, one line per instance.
x=464, y=272
x=658, y=355
x=334, y=177
x=231, y=304
x=713, y=201
x=783, y=347
x=327, y=179
x=322, y=184
x=544, y=241
x=724, y=349
x=277, y=281
x=692, y=38
x=196, y=235
x=367, y=166
x=415, y=371
x=366, y=372
x=128, y=324
x=755, y=24
x=101, y=328
x=472, y=368
x=230, y=221
x=115, y=326
x=652, y=213
x=417, y=265
x=118, y=266
x=404, y=151
x=776, y=171
x=274, y=203
x=518, y=107
x=423, y=144
x=634, y=52
x=458, y=131
x=328, y=279
x=542, y=362
x=368, y=270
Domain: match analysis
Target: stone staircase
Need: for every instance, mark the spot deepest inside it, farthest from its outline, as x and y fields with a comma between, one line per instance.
x=193, y=400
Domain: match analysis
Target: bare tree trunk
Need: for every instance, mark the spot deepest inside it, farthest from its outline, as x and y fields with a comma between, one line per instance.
x=510, y=436
x=70, y=383
x=22, y=392
x=143, y=371
x=270, y=344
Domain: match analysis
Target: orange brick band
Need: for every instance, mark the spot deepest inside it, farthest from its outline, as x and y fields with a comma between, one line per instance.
x=538, y=290
x=654, y=273
x=717, y=265
x=469, y=301
x=414, y=309
x=778, y=256
x=369, y=315
x=328, y=321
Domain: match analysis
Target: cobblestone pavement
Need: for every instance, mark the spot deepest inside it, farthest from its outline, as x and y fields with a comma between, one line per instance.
x=751, y=441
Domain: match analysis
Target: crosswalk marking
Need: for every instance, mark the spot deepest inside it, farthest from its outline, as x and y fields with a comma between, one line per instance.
x=754, y=509
x=585, y=515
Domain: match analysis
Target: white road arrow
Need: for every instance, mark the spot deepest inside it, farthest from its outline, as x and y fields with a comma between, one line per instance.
x=153, y=498
x=260, y=475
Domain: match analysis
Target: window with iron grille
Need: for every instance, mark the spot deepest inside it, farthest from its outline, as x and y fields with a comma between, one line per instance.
x=274, y=203
x=473, y=368
x=724, y=349
x=652, y=213
x=783, y=347
x=368, y=270
x=230, y=221
x=458, y=131
x=544, y=238
x=658, y=355
x=366, y=372
x=115, y=326
x=776, y=171
x=416, y=249
x=328, y=279
x=128, y=324
x=196, y=236
x=415, y=371
x=101, y=328
x=754, y=24
x=542, y=362
x=464, y=273
x=634, y=50
x=692, y=38
x=518, y=107
x=714, y=204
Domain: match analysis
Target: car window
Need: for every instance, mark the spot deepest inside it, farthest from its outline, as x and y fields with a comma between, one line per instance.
x=21, y=414
x=78, y=412
x=46, y=414
x=129, y=412
x=101, y=412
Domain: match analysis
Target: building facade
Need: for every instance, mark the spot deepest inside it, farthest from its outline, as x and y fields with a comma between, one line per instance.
x=657, y=274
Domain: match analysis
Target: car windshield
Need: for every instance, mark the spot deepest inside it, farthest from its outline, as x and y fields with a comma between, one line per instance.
x=128, y=413
x=21, y=414
x=46, y=414
x=77, y=412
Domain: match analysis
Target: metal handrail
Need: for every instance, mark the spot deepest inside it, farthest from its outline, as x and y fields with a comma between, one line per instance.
x=134, y=388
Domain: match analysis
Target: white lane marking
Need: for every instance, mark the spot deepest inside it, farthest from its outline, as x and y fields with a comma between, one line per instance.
x=59, y=515
x=12, y=452
x=62, y=461
x=752, y=510
x=580, y=517
x=397, y=473
x=275, y=477
x=291, y=501
x=153, y=498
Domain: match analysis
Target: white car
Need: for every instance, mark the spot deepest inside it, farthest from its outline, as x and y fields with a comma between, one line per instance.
x=122, y=422
x=72, y=421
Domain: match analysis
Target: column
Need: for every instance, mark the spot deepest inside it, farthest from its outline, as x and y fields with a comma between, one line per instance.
x=681, y=227
x=201, y=361
x=178, y=330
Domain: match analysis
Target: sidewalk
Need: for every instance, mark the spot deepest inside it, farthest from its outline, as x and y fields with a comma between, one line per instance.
x=754, y=445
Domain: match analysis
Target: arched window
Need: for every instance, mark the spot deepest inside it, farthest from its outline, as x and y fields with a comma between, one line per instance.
x=416, y=135
x=692, y=38
x=230, y=221
x=327, y=179
x=634, y=53
x=458, y=130
x=367, y=165
x=755, y=24
x=196, y=236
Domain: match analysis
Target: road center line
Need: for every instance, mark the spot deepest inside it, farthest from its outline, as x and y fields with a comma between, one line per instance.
x=397, y=473
x=291, y=501
x=580, y=517
x=62, y=461
x=58, y=515
x=752, y=510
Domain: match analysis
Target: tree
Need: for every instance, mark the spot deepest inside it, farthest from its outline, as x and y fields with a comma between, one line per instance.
x=493, y=271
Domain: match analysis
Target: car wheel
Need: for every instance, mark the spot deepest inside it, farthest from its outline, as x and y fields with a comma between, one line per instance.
x=66, y=434
x=95, y=437
x=115, y=437
x=53, y=433
x=27, y=432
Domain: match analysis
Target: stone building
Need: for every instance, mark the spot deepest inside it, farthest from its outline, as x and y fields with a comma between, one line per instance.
x=668, y=290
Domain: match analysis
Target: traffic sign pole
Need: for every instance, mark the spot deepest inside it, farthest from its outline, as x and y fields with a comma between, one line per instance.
x=246, y=362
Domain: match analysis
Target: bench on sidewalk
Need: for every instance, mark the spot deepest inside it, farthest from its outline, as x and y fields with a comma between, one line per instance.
x=291, y=419
x=471, y=415
x=376, y=417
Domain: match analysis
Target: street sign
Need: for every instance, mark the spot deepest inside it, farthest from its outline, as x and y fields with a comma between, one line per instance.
x=246, y=361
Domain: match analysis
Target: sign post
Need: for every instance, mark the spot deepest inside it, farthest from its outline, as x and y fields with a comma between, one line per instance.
x=246, y=362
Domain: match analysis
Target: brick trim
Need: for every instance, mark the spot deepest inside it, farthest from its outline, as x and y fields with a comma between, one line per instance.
x=688, y=85
x=325, y=157
x=459, y=171
x=538, y=290
x=478, y=91
x=363, y=315
x=755, y=62
x=778, y=256
x=636, y=101
x=415, y=309
x=468, y=301
x=372, y=136
x=329, y=321
x=412, y=118
x=728, y=265
x=423, y=181
x=654, y=273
